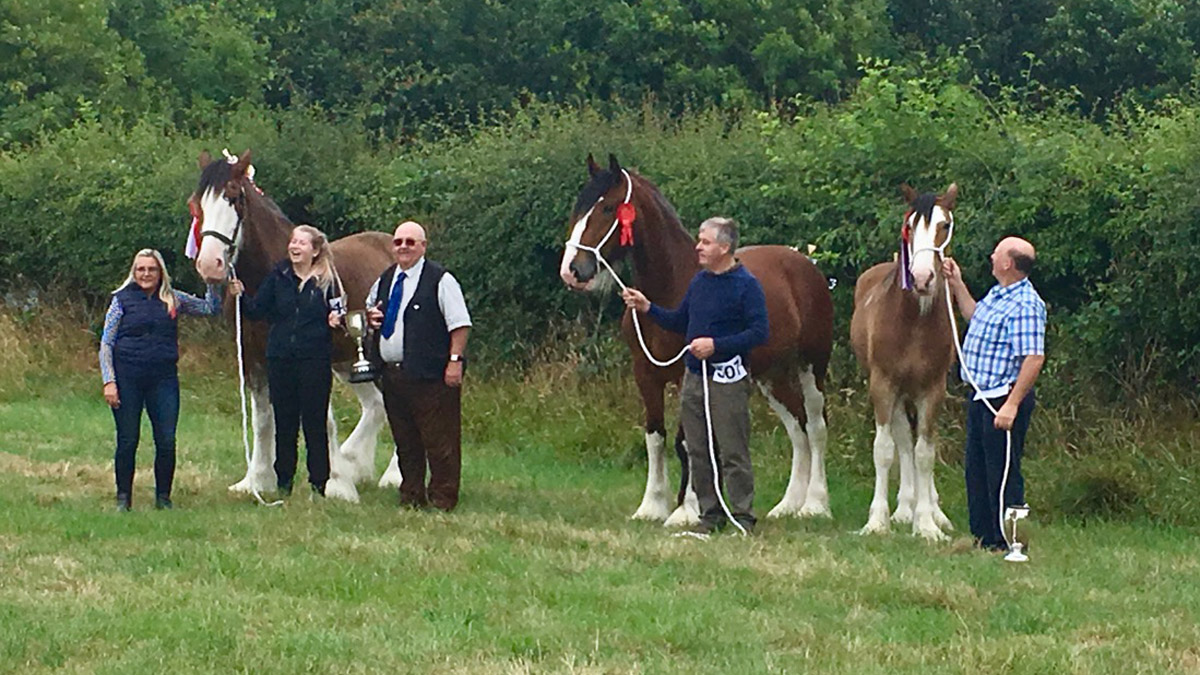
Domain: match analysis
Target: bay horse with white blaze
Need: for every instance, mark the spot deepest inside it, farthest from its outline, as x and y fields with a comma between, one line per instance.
x=240, y=227
x=902, y=337
x=789, y=369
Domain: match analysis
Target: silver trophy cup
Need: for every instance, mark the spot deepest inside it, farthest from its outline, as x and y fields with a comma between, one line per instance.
x=1016, y=550
x=356, y=324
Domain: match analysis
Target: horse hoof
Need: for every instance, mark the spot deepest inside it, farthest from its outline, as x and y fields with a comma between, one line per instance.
x=903, y=514
x=653, y=512
x=943, y=522
x=251, y=484
x=682, y=517
x=873, y=527
x=931, y=533
x=390, y=479
x=782, y=510
x=344, y=490
x=815, y=511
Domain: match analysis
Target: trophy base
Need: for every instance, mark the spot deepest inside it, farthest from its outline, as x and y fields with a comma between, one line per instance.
x=360, y=376
x=1016, y=554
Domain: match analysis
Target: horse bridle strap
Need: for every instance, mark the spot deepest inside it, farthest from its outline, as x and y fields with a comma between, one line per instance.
x=221, y=237
x=595, y=250
x=231, y=243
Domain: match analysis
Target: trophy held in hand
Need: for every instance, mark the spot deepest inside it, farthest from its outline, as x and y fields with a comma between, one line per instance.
x=361, y=370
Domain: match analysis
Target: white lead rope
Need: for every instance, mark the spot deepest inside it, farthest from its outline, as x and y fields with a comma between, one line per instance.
x=237, y=323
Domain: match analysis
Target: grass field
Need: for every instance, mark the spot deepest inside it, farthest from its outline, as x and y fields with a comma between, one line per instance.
x=539, y=570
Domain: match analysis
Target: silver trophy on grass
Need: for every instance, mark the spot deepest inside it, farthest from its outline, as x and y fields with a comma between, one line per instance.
x=1012, y=514
x=356, y=324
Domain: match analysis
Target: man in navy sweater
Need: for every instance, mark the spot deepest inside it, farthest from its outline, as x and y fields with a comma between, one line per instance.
x=723, y=316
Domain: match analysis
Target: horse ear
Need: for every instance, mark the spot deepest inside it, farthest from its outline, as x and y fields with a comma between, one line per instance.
x=613, y=165
x=593, y=167
x=910, y=195
x=243, y=163
x=204, y=160
x=950, y=196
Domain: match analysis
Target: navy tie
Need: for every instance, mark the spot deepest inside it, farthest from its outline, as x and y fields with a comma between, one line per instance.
x=393, y=308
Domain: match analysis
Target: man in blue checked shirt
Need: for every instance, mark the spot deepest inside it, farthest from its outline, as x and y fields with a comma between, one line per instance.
x=1003, y=354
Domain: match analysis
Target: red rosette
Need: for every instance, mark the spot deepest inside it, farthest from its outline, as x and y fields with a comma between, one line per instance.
x=626, y=214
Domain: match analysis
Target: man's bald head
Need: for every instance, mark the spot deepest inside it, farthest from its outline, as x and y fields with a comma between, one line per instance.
x=408, y=244
x=410, y=229
x=1021, y=252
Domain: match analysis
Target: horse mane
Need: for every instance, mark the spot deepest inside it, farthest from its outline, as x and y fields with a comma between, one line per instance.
x=666, y=207
x=214, y=176
x=923, y=206
x=218, y=173
x=601, y=182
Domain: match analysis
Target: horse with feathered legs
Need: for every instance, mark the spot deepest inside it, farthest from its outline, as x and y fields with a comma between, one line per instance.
x=789, y=369
x=902, y=337
x=242, y=231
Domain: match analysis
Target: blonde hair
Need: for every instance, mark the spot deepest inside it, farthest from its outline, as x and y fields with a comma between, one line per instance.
x=165, y=292
x=323, y=268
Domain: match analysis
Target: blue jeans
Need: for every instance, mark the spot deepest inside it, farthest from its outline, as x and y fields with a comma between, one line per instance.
x=156, y=390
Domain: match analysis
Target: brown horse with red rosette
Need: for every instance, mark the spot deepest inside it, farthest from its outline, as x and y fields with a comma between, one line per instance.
x=620, y=214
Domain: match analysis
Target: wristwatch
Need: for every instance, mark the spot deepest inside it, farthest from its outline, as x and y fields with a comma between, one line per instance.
x=457, y=358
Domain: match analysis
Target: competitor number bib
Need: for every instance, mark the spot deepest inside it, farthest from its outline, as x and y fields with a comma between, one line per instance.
x=728, y=372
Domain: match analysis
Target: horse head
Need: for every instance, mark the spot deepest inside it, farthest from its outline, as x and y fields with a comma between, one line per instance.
x=927, y=229
x=603, y=218
x=218, y=206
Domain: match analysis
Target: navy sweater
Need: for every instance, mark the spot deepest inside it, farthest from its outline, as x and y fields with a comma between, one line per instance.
x=728, y=307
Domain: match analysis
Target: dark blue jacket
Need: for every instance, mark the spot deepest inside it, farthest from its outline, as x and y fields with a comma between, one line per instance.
x=299, y=317
x=728, y=307
x=148, y=335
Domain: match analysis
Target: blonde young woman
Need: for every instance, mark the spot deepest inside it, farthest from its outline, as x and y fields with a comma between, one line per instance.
x=139, y=350
x=302, y=300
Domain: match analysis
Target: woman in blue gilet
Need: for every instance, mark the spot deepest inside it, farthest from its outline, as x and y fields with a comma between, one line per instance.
x=139, y=351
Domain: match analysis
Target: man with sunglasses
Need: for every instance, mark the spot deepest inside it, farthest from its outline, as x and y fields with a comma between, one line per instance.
x=422, y=324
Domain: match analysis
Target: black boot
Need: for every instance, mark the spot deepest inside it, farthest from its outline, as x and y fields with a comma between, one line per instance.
x=124, y=502
x=285, y=489
x=163, y=502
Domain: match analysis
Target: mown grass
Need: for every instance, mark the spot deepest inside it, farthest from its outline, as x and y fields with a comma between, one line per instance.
x=540, y=570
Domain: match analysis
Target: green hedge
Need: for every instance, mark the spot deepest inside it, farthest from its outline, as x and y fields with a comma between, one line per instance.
x=1111, y=208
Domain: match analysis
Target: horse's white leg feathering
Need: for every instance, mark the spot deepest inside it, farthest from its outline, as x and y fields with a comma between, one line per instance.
x=816, y=501
x=341, y=468
x=260, y=475
x=885, y=449
x=687, y=513
x=923, y=457
x=797, y=488
x=391, y=476
x=906, y=496
x=656, y=501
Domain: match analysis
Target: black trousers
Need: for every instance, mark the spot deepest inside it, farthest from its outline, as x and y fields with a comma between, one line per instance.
x=984, y=467
x=300, y=397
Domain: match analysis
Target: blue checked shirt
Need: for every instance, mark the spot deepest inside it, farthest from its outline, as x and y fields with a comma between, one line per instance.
x=1009, y=324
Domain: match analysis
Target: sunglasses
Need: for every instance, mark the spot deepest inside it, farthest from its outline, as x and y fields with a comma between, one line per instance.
x=409, y=242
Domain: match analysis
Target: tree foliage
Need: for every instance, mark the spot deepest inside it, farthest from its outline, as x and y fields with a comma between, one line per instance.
x=1071, y=123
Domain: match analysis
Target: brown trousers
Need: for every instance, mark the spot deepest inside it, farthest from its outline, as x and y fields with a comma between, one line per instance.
x=426, y=421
